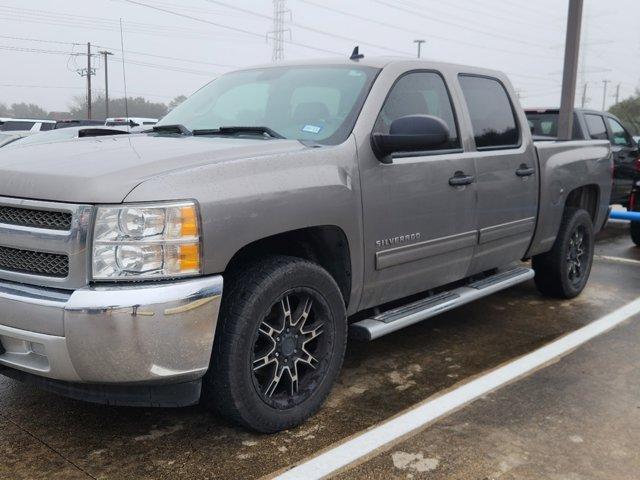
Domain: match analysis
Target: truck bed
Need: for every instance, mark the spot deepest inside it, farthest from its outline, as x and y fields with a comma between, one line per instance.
x=563, y=167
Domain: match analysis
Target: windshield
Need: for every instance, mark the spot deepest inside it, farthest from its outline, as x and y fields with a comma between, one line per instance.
x=319, y=104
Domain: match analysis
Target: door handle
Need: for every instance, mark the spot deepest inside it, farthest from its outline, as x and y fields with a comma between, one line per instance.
x=525, y=171
x=459, y=179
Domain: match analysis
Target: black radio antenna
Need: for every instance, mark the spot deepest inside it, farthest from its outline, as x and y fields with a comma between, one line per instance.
x=356, y=55
x=124, y=73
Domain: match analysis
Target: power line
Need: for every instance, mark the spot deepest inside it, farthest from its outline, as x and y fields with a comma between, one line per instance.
x=312, y=29
x=132, y=52
x=235, y=29
x=186, y=60
x=39, y=40
x=32, y=50
x=403, y=29
x=163, y=67
x=132, y=62
x=99, y=23
x=455, y=24
x=491, y=14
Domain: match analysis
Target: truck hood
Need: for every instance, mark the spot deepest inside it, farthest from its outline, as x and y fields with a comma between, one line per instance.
x=106, y=169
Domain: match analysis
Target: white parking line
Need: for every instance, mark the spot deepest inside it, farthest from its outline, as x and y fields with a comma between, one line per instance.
x=366, y=444
x=607, y=258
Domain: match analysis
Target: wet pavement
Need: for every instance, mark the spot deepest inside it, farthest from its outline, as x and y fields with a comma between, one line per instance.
x=580, y=408
x=577, y=419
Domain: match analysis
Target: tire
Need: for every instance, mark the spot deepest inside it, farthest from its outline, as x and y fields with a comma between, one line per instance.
x=564, y=270
x=267, y=335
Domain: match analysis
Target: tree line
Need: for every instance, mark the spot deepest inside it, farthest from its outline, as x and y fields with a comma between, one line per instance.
x=137, y=107
x=629, y=112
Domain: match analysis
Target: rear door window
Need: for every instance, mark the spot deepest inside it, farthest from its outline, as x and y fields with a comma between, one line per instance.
x=619, y=135
x=492, y=116
x=596, y=127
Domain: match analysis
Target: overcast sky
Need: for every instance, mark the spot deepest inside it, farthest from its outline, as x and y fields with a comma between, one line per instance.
x=175, y=53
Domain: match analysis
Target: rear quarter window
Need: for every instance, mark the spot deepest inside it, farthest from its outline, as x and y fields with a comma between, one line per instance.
x=492, y=116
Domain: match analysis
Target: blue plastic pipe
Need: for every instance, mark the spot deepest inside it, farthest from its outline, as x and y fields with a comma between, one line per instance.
x=624, y=215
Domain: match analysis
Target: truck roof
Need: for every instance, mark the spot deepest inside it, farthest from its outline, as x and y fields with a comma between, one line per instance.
x=381, y=62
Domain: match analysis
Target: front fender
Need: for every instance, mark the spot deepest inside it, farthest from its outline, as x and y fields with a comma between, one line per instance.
x=246, y=200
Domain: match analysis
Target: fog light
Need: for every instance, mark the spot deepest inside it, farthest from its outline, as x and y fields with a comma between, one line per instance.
x=37, y=348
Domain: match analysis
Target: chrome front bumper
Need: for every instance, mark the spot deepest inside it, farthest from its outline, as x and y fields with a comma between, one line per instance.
x=135, y=334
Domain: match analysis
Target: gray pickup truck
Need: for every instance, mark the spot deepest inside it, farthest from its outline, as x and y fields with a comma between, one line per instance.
x=334, y=199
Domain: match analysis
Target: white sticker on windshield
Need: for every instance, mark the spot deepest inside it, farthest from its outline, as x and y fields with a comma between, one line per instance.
x=311, y=129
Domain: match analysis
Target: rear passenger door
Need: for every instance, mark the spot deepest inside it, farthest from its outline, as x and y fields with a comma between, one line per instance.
x=506, y=167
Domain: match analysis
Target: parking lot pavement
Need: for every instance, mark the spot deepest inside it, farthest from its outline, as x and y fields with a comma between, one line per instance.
x=577, y=419
x=42, y=435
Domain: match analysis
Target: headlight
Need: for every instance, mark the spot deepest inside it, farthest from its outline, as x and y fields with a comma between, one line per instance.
x=146, y=241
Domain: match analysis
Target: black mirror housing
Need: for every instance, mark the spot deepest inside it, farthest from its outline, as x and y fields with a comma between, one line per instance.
x=411, y=133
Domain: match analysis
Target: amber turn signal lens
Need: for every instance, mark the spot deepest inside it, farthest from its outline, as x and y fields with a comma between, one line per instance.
x=189, y=257
x=189, y=221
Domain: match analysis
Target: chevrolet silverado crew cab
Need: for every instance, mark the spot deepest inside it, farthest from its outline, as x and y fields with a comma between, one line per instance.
x=331, y=199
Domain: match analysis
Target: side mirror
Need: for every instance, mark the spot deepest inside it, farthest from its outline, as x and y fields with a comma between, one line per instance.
x=412, y=133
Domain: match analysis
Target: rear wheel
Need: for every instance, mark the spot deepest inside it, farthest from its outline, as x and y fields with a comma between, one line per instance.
x=564, y=270
x=279, y=344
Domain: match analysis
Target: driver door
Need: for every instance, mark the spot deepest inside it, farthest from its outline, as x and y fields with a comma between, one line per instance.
x=420, y=230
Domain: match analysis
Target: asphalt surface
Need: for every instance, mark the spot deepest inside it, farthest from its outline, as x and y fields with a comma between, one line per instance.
x=577, y=419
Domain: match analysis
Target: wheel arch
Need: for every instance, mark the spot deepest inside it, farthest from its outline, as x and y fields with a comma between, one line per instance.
x=586, y=197
x=326, y=245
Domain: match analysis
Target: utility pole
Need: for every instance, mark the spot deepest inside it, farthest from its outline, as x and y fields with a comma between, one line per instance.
x=570, y=72
x=618, y=93
x=604, y=94
x=106, y=82
x=88, y=72
x=584, y=95
x=419, y=42
x=89, y=80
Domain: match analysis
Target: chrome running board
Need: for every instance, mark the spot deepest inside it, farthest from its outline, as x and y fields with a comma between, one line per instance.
x=397, y=318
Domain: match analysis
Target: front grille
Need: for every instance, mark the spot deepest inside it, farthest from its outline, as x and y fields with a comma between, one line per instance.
x=34, y=263
x=27, y=217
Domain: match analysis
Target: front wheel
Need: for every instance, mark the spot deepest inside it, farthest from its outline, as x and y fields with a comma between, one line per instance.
x=279, y=344
x=564, y=270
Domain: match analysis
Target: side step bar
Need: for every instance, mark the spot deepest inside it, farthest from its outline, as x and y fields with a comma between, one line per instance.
x=398, y=318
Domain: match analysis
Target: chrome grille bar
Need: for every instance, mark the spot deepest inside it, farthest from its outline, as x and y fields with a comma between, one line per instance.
x=50, y=243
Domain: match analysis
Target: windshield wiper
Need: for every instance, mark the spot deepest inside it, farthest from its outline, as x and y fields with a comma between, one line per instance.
x=177, y=128
x=235, y=130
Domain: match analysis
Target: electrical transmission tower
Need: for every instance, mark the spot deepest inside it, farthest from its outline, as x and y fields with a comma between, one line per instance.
x=277, y=35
